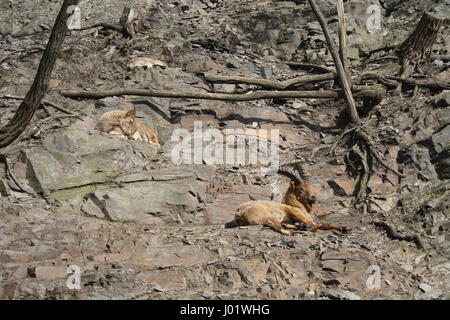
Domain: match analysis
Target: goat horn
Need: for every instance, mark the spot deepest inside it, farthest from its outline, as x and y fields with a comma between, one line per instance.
x=290, y=173
x=298, y=167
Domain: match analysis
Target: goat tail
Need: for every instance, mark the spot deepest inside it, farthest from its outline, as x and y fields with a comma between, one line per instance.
x=237, y=220
x=231, y=224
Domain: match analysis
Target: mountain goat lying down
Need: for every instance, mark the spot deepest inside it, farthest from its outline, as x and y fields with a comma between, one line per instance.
x=296, y=207
x=124, y=123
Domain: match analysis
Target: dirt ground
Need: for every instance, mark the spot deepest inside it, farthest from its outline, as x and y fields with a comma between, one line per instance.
x=138, y=226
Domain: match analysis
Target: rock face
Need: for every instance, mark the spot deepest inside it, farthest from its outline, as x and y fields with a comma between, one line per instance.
x=140, y=225
x=76, y=158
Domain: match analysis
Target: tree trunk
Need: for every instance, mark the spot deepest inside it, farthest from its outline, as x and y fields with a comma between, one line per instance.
x=38, y=89
x=417, y=47
x=342, y=32
x=131, y=21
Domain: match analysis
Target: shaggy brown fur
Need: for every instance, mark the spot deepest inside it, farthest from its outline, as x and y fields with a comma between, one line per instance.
x=146, y=62
x=144, y=133
x=120, y=122
x=296, y=207
x=123, y=123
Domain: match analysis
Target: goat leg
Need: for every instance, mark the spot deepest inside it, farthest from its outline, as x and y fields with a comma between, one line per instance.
x=276, y=225
x=289, y=226
x=299, y=215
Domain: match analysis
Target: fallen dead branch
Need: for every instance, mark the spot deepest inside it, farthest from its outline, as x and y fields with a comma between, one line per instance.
x=393, y=81
x=325, y=94
x=44, y=102
x=28, y=51
x=104, y=25
x=391, y=233
x=301, y=65
x=278, y=85
x=422, y=83
x=37, y=127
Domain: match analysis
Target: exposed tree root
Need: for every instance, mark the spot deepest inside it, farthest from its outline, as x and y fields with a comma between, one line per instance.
x=364, y=145
x=364, y=178
x=391, y=233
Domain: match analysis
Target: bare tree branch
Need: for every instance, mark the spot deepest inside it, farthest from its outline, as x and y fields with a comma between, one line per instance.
x=215, y=96
x=279, y=85
x=38, y=89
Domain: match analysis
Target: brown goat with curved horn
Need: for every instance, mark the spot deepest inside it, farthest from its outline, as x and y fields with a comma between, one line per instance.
x=296, y=207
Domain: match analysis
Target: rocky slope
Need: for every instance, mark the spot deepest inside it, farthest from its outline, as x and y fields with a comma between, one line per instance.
x=141, y=227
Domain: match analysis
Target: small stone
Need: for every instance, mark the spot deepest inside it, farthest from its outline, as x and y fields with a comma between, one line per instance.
x=438, y=62
x=208, y=294
x=433, y=294
x=158, y=288
x=425, y=287
x=347, y=295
